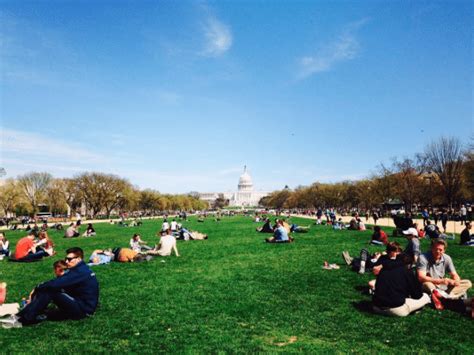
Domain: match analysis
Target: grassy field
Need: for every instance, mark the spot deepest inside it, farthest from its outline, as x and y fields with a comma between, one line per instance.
x=234, y=293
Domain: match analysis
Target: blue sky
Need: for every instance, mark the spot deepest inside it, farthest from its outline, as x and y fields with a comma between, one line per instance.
x=180, y=95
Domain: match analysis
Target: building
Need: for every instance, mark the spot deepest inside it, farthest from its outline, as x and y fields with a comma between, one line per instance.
x=245, y=196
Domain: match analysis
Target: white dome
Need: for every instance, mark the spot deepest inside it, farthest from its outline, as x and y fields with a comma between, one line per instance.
x=245, y=181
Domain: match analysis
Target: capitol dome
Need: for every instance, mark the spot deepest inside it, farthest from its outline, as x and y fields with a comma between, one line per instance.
x=245, y=181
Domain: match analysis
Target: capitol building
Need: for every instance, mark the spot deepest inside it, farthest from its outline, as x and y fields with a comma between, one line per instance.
x=245, y=196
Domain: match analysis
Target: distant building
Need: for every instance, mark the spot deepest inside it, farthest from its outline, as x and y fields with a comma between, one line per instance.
x=245, y=196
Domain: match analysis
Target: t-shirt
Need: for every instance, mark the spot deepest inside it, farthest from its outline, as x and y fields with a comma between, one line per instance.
x=413, y=247
x=174, y=225
x=165, y=226
x=281, y=234
x=436, y=270
x=167, y=243
x=23, y=247
x=126, y=255
x=99, y=258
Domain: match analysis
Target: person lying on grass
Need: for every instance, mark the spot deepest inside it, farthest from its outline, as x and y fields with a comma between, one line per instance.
x=397, y=290
x=75, y=293
x=122, y=255
x=432, y=268
x=280, y=235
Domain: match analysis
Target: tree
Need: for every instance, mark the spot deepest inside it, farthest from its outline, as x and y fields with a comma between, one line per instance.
x=9, y=196
x=102, y=192
x=445, y=158
x=34, y=186
x=220, y=202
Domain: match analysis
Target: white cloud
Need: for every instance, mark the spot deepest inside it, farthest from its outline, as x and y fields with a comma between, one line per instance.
x=345, y=47
x=218, y=37
x=33, y=145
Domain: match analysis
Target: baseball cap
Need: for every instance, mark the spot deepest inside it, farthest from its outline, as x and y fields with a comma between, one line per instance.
x=411, y=231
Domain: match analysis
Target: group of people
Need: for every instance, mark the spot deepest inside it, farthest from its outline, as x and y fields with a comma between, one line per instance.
x=73, y=230
x=74, y=291
x=32, y=247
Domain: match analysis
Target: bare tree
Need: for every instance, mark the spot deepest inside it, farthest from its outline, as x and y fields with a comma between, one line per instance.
x=445, y=158
x=34, y=186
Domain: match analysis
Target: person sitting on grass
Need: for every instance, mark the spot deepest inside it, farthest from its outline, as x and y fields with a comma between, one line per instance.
x=26, y=250
x=166, y=245
x=397, y=290
x=466, y=237
x=280, y=235
x=165, y=226
x=45, y=243
x=71, y=231
x=137, y=244
x=379, y=237
x=361, y=225
x=266, y=228
x=432, y=268
x=90, y=231
x=75, y=293
x=353, y=224
x=412, y=249
x=4, y=245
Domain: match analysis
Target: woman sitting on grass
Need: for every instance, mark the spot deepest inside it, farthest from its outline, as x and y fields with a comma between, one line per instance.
x=45, y=243
x=90, y=231
x=379, y=237
x=4, y=245
x=137, y=244
x=266, y=228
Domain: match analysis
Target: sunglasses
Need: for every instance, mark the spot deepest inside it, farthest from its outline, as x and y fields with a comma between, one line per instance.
x=69, y=259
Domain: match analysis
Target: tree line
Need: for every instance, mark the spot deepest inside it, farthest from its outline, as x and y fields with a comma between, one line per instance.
x=99, y=193
x=441, y=175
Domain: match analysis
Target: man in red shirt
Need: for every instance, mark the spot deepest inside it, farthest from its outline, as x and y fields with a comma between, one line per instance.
x=26, y=250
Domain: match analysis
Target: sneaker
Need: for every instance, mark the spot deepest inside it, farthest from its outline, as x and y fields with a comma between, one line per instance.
x=436, y=299
x=12, y=322
x=362, y=267
x=347, y=258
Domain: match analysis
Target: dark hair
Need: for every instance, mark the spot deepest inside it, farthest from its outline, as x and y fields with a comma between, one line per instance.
x=393, y=247
x=78, y=252
x=377, y=229
x=60, y=264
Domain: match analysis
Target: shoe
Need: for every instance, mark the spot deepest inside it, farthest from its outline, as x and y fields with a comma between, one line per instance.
x=362, y=267
x=12, y=322
x=347, y=258
x=3, y=292
x=436, y=299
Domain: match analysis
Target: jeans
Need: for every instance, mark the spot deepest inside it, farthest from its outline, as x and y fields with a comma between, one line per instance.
x=34, y=256
x=68, y=306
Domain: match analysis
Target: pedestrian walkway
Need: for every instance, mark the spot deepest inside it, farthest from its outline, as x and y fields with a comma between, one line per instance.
x=451, y=227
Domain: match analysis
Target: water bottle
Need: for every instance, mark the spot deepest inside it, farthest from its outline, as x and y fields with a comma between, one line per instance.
x=23, y=303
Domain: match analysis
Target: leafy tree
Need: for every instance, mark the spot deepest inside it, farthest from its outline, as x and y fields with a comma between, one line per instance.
x=10, y=196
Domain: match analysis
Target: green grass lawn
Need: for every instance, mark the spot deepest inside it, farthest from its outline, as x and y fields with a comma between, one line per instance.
x=233, y=293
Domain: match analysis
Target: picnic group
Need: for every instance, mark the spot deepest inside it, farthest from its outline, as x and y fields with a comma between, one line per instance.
x=74, y=289
x=406, y=279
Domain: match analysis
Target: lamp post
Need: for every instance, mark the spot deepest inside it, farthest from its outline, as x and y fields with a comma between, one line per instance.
x=429, y=177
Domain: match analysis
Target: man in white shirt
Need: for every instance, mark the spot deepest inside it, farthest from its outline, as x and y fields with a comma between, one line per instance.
x=167, y=244
x=165, y=226
x=174, y=225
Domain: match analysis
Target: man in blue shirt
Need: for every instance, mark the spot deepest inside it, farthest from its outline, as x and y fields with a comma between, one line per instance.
x=76, y=294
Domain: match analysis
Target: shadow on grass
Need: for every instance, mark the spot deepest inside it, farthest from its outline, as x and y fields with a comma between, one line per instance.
x=363, y=306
